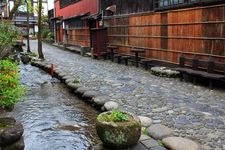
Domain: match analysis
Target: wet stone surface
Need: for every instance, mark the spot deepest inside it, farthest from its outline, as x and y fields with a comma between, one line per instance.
x=53, y=118
x=191, y=111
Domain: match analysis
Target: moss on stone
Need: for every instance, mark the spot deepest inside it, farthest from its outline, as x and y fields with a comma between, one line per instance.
x=114, y=116
x=118, y=134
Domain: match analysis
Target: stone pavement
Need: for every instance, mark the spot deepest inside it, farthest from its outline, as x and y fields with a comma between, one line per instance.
x=191, y=111
x=145, y=143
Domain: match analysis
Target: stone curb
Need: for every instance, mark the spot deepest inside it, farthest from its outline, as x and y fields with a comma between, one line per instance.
x=11, y=134
x=95, y=100
x=86, y=94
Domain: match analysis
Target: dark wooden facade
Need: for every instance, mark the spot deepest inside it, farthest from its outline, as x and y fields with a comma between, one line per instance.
x=128, y=6
x=166, y=34
x=77, y=32
x=72, y=29
x=164, y=28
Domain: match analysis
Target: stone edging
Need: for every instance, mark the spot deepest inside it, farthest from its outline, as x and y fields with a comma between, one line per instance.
x=164, y=72
x=159, y=135
x=11, y=134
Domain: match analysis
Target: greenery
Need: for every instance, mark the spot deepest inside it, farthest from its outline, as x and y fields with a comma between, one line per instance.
x=47, y=35
x=115, y=116
x=10, y=88
x=144, y=131
x=76, y=81
x=32, y=54
x=9, y=34
x=160, y=143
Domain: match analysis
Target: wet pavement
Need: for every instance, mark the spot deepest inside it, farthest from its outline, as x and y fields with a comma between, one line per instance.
x=53, y=118
x=192, y=111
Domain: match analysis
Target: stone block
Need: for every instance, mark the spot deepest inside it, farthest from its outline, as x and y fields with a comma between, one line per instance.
x=150, y=143
x=178, y=143
x=111, y=105
x=145, y=121
x=158, y=131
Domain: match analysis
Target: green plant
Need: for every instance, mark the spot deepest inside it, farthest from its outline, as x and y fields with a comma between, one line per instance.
x=115, y=116
x=76, y=81
x=144, y=131
x=32, y=54
x=10, y=88
x=45, y=33
x=9, y=34
x=160, y=143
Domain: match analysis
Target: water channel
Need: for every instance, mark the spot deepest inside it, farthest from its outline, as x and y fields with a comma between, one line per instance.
x=53, y=118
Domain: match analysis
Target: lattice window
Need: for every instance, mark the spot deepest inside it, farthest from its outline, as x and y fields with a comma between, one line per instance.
x=171, y=3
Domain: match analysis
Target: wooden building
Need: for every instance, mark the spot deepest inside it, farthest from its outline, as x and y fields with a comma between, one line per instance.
x=72, y=28
x=164, y=28
x=167, y=28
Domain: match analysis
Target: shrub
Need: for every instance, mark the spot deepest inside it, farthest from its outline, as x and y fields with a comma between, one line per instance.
x=45, y=33
x=9, y=34
x=10, y=88
x=48, y=36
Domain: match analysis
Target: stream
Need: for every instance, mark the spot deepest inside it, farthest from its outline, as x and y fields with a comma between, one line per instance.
x=53, y=118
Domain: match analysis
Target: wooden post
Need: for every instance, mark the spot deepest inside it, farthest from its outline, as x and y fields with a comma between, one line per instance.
x=182, y=60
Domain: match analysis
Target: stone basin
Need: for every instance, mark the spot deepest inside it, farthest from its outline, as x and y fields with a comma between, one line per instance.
x=119, y=134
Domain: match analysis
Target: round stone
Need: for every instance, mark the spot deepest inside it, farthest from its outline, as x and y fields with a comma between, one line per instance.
x=178, y=143
x=100, y=100
x=111, y=105
x=145, y=121
x=73, y=86
x=10, y=131
x=61, y=74
x=18, y=145
x=68, y=80
x=57, y=70
x=88, y=95
x=158, y=131
x=80, y=91
x=66, y=77
x=47, y=66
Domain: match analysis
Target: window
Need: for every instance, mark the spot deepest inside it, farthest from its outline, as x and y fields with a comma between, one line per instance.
x=160, y=4
x=64, y=3
x=169, y=3
x=77, y=23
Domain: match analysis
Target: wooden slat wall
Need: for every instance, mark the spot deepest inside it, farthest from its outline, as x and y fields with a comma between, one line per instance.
x=165, y=35
x=79, y=37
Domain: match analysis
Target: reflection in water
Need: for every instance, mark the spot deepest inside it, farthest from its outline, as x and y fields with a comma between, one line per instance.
x=53, y=118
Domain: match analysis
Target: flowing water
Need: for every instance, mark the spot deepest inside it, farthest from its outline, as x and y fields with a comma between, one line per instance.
x=53, y=118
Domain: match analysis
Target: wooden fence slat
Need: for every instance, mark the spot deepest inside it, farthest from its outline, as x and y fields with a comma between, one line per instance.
x=166, y=35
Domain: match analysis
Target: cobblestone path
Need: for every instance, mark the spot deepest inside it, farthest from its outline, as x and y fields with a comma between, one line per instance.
x=192, y=111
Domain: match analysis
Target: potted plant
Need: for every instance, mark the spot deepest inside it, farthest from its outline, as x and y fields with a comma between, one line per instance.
x=118, y=129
